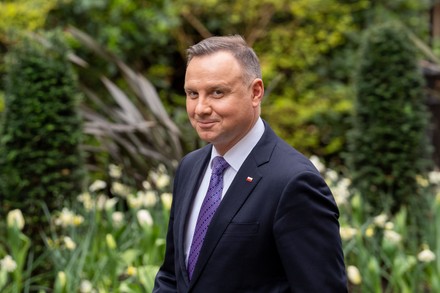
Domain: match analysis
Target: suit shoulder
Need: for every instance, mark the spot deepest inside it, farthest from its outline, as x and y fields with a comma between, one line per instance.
x=282, y=158
x=197, y=154
x=287, y=158
x=188, y=160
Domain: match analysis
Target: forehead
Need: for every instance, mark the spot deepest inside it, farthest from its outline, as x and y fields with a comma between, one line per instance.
x=219, y=66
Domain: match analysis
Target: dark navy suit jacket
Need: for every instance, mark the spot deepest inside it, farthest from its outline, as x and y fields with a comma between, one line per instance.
x=278, y=232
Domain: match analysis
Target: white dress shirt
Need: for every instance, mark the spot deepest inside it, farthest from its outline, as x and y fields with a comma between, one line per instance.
x=235, y=158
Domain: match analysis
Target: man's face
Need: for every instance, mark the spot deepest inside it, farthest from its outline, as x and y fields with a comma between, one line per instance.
x=221, y=107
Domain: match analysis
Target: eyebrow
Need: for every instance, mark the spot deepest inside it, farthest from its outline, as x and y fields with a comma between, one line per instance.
x=209, y=88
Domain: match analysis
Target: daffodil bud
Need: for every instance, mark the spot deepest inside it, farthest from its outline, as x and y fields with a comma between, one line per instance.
x=15, y=219
x=354, y=275
x=111, y=243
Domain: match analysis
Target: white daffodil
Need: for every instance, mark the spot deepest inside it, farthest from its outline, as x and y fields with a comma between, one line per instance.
x=15, y=219
x=115, y=171
x=66, y=218
x=341, y=191
x=389, y=225
x=380, y=220
x=134, y=202
x=426, y=255
x=87, y=201
x=120, y=189
x=392, y=236
x=331, y=175
x=69, y=243
x=100, y=202
x=162, y=181
x=144, y=218
x=317, y=163
x=97, y=185
x=167, y=199
x=8, y=264
x=354, y=275
x=110, y=203
x=434, y=177
x=422, y=181
x=146, y=185
x=118, y=219
x=85, y=286
x=148, y=198
x=347, y=233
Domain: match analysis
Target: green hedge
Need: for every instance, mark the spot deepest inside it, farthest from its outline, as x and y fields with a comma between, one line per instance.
x=40, y=159
x=389, y=150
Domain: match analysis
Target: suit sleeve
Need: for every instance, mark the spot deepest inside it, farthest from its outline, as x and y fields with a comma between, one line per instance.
x=165, y=281
x=306, y=230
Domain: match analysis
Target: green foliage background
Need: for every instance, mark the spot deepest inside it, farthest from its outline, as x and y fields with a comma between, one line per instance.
x=389, y=149
x=307, y=49
x=40, y=159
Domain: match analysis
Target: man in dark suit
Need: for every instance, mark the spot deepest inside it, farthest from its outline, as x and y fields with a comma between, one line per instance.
x=267, y=221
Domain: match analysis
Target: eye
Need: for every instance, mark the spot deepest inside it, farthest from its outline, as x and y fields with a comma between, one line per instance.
x=217, y=93
x=191, y=94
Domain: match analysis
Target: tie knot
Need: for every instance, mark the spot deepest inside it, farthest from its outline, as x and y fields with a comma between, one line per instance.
x=219, y=165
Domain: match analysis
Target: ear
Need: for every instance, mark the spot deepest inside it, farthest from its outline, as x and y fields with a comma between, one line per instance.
x=257, y=88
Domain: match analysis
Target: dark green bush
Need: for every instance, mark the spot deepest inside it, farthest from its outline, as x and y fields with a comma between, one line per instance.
x=389, y=150
x=40, y=159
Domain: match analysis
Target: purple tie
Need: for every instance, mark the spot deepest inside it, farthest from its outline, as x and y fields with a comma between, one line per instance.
x=209, y=206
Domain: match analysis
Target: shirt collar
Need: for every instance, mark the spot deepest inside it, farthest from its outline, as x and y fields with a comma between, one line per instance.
x=239, y=152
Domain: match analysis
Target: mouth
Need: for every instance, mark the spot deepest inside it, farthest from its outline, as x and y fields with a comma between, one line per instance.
x=205, y=124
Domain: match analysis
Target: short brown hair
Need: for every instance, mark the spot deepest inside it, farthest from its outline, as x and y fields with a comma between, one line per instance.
x=234, y=44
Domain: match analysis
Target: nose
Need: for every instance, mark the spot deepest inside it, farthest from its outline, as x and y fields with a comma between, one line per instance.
x=203, y=106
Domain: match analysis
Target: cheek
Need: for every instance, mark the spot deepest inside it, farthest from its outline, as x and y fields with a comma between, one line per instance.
x=227, y=107
x=241, y=109
x=189, y=108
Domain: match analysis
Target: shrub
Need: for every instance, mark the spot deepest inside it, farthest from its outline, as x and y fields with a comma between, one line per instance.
x=389, y=151
x=309, y=125
x=40, y=159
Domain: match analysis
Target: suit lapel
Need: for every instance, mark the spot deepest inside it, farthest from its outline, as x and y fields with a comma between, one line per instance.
x=235, y=197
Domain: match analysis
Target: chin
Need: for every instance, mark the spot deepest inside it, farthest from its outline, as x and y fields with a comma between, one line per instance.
x=202, y=135
x=206, y=138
